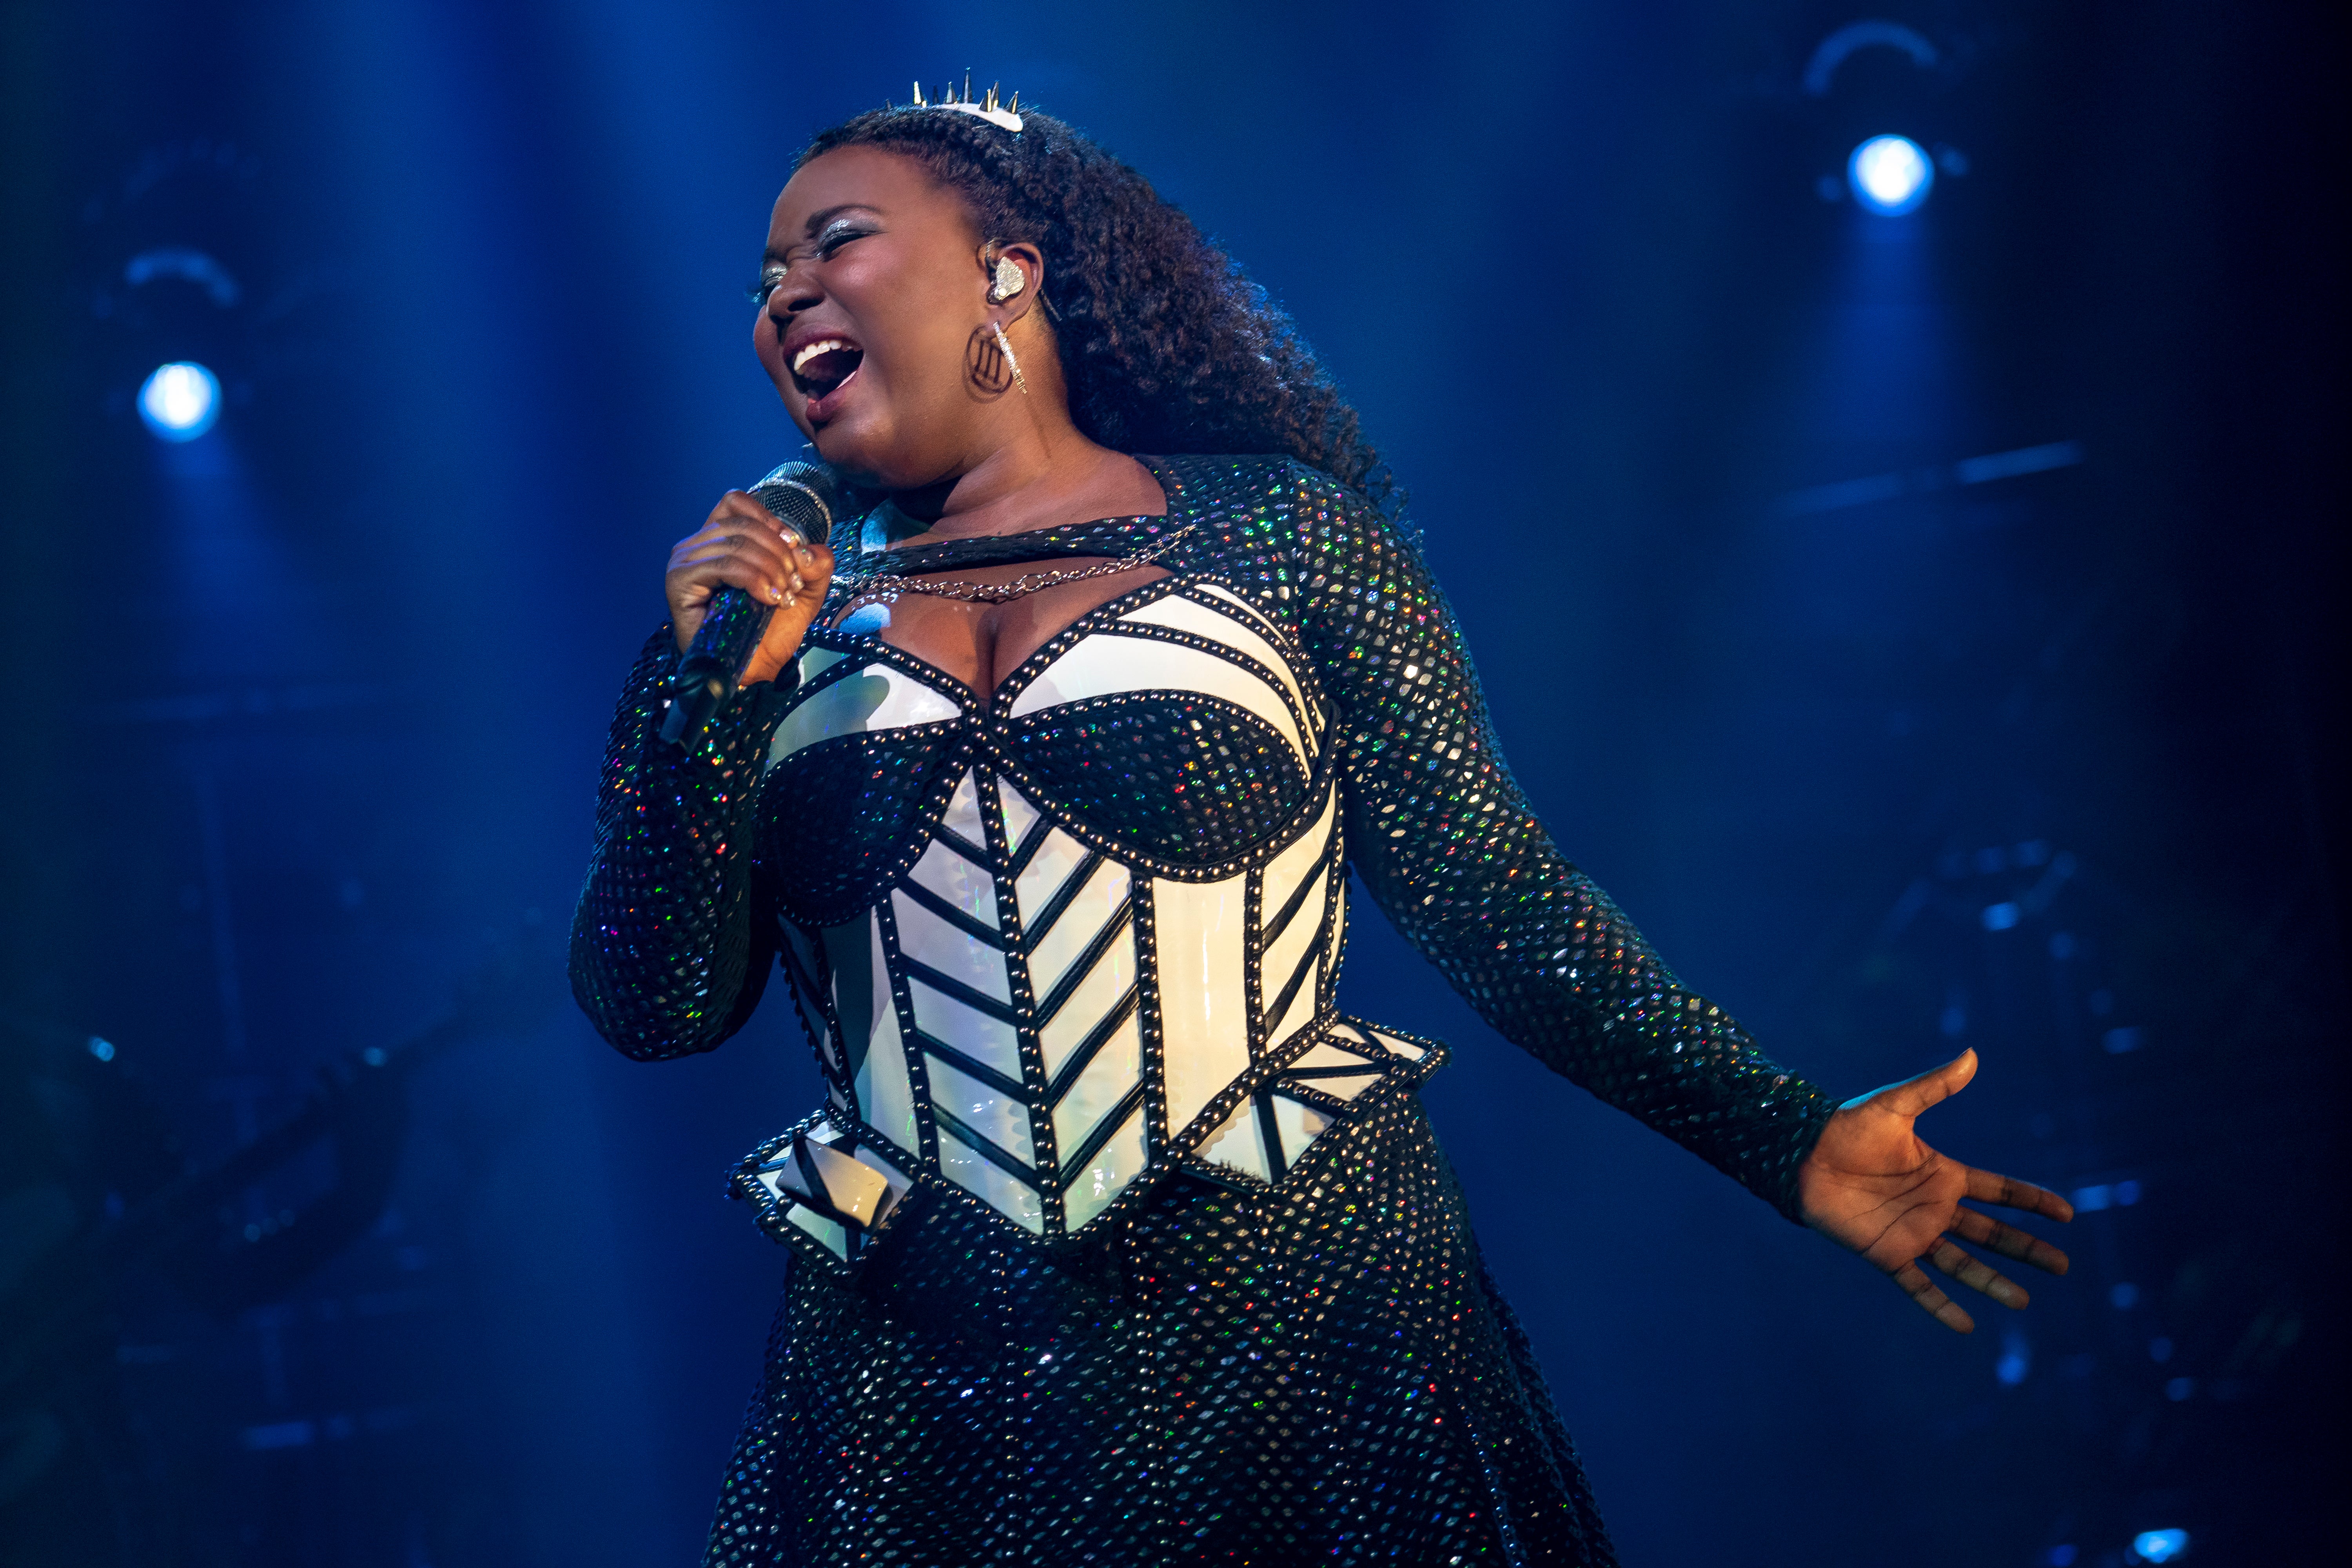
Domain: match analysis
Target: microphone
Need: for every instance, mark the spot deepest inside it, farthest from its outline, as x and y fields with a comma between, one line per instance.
x=806, y=498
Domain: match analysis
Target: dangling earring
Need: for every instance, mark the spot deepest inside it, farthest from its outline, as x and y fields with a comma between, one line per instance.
x=1005, y=280
x=1004, y=347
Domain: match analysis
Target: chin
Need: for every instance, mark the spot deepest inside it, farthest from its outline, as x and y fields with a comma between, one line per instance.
x=856, y=454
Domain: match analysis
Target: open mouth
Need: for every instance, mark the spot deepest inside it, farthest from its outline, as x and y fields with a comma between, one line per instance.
x=820, y=369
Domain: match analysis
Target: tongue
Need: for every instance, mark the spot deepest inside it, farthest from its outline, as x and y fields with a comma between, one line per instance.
x=831, y=368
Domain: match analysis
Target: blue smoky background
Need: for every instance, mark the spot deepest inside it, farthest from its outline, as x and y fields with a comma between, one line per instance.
x=1888, y=464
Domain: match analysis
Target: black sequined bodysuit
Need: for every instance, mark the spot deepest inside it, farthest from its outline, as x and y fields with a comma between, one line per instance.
x=1115, y=1242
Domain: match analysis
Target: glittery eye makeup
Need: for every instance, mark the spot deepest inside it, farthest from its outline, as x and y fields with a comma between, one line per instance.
x=828, y=234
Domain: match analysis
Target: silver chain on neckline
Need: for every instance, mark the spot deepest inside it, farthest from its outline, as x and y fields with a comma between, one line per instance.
x=881, y=588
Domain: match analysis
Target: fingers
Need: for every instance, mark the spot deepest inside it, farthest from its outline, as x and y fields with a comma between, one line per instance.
x=1977, y=1273
x=743, y=545
x=738, y=538
x=2011, y=1194
x=734, y=563
x=790, y=621
x=759, y=557
x=1933, y=1303
x=2009, y=1241
x=1914, y=1095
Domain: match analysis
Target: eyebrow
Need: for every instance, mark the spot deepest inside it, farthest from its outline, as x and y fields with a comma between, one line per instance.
x=816, y=221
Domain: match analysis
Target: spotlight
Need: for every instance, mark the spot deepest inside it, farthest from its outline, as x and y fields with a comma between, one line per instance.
x=1890, y=174
x=180, y=401
x=2159, y=1545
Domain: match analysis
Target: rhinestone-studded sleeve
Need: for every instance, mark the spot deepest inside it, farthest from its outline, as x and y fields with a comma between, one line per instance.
x=1443, y=837
x=667, y=957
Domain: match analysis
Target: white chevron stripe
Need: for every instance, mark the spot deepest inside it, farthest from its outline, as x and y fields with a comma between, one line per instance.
x=1236, y=1144
x=1284, y=954
x=940, y=948
x=1019, y=813
x=869, y=1023
x=990, y=1184
x=1093, y=907
x=803, y=971
x=830, y=1232
x=989, y=1041
x=880, y=698
x=1329, y=1055
x=815, y=661
x=1302, y=1008
x=1344, y=1086
x=1047, y=871
x=1288, y=870
x=861, y=979
x=962, y=815
x=999, y=1118
x=1096, y=994
x=1204, y=1006
x=1105, y=664
x=1188, y=615
x=957, y=882
x=1250, y=614
x=1115, y=1070
x=1087, y=1193
x=1297, y=1125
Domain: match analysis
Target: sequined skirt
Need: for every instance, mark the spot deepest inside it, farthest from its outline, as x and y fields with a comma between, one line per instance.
x=1320, y=1375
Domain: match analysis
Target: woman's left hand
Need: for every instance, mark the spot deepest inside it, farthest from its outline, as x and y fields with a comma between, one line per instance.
x=1870, y=1185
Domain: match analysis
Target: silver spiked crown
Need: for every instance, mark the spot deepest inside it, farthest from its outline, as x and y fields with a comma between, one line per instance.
x=1006, y=114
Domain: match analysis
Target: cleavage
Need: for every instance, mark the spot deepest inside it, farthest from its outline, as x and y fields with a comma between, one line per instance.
x=981, y=645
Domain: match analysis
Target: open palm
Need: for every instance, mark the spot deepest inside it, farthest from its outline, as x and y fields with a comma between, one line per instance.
x=1870, y=1185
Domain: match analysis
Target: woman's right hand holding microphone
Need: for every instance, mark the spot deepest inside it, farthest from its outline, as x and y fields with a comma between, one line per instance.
x=742, y=545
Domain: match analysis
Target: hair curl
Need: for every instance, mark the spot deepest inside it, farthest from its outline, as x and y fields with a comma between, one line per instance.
x=1166, y=345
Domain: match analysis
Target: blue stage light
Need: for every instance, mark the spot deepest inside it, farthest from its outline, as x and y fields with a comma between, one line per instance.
x=2159, y=1545
x=180, y=401
x=1890, y=174
x=2016, y=1359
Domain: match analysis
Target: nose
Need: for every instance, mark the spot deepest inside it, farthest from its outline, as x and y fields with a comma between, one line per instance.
x=797, y=293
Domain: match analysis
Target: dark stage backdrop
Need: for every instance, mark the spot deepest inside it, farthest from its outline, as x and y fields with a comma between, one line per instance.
x=1925, y=626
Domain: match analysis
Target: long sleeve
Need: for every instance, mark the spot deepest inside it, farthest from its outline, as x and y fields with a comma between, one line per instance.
x=1443, y=837
x=668, y=957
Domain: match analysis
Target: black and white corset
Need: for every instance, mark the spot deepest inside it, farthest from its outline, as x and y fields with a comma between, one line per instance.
x=1055, y=941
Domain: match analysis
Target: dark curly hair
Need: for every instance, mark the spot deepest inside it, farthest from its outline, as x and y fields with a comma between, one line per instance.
x=1167, y=345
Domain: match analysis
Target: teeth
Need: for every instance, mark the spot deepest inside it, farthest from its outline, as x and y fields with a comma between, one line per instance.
x=824, y=345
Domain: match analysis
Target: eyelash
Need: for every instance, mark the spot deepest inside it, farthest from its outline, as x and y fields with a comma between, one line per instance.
x=828, y=243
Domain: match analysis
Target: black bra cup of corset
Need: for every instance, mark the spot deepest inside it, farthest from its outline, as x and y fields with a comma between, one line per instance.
x=842, y=820
x=1188, y=780
x=1184, y=778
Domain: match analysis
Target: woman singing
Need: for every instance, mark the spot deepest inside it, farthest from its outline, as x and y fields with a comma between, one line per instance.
x=1115, y=1242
